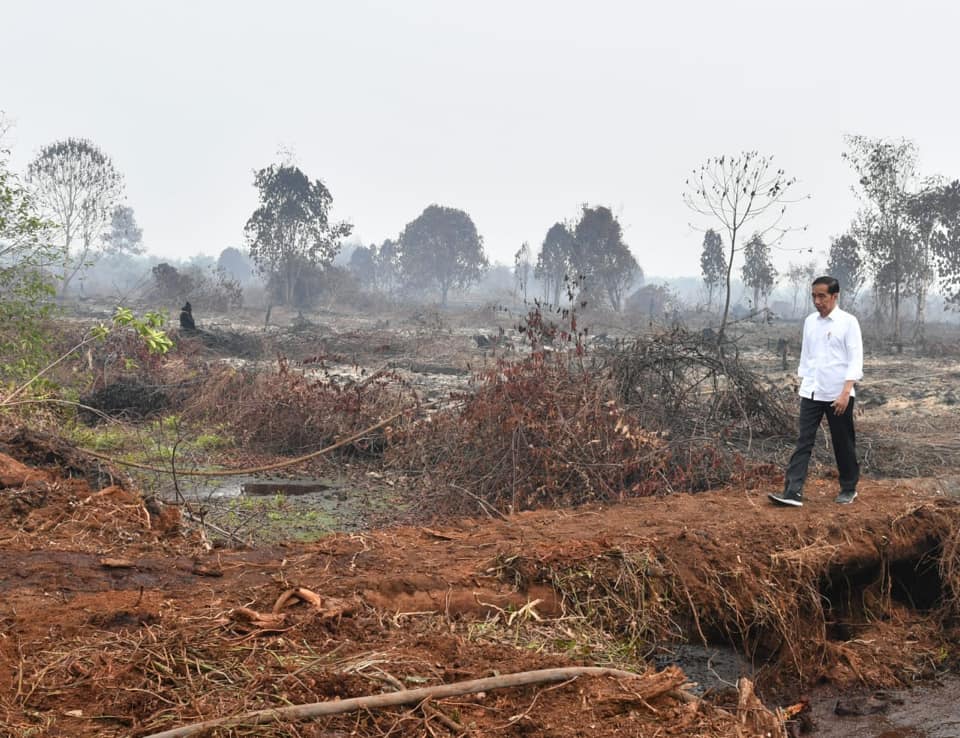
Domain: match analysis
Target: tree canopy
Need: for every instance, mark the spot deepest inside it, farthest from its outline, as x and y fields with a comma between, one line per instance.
x=363, y=265
x=845, y=264
x=123, y=236
x=553, y=262
x=800, y=278
x=886, y=170
x=235, y=263
x=291, y=228
x=25, y=287
x=522, y=267
x=946, y=240
x=712, y=263
x=600, y=256
x=758, y=272
x=441, y=249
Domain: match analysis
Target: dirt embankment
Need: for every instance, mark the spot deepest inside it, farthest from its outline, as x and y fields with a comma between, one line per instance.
x=119, y=620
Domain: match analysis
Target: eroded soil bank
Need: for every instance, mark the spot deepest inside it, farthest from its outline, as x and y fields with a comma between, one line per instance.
x=118, y=619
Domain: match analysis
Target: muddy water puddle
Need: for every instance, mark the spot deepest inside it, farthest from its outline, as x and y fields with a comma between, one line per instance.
x=295, y=487
x=272, y=510
x=926, y=711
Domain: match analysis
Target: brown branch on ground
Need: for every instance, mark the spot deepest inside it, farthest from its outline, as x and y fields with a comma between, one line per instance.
x=649, y=687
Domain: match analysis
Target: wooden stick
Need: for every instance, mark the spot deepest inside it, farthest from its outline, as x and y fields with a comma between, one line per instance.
x=405, y=697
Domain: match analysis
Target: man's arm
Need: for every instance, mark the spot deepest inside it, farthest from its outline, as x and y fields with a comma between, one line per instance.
x=854, y=372
x=840, y=404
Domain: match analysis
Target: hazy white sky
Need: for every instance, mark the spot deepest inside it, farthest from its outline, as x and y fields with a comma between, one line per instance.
x=516, y=112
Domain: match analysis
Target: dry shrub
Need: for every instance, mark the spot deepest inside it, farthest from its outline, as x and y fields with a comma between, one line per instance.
x=660, y=415
x=700, y=464
x=287, y=412
x=534, y=433
x=219, y=341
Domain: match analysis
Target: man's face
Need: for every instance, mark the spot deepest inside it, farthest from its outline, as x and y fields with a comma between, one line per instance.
x=823, y=301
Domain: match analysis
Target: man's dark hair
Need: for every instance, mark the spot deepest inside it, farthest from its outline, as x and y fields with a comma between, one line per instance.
x=833, y=286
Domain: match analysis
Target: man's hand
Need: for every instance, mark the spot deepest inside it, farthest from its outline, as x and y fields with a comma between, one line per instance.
x=840, y=404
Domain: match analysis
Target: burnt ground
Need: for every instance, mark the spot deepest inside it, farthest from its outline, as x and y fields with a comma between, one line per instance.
x=119, y=620
x=119, y=617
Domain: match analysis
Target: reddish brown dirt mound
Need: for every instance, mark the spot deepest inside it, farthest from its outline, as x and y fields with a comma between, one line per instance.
x=43, y=451
x=115, y=621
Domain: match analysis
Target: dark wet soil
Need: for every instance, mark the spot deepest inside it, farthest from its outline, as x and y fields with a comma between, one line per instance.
x=930, y=710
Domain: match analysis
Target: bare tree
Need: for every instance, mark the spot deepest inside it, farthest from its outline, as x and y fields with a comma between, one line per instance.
x=77, y=186
x=740, y=192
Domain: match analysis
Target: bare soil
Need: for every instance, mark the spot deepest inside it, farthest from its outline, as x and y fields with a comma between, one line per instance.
x=120, y=617
x=118, y=620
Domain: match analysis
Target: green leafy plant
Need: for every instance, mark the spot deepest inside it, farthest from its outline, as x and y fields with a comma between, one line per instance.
x=148, y=329
x=26, y=287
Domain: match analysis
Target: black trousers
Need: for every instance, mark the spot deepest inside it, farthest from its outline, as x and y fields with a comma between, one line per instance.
x=841, y=434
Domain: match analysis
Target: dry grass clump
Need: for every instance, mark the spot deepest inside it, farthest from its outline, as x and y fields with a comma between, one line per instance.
x=534, y=433
x=149, y=676
x=285, y=411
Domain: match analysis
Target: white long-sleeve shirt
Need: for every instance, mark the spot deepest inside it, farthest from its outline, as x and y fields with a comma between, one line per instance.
x=831, y=355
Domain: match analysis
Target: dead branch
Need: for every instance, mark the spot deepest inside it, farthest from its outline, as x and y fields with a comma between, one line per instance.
x=200, y=521
x=413, y=696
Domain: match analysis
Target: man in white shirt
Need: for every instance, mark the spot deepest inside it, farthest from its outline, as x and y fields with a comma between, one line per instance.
x=831, y=362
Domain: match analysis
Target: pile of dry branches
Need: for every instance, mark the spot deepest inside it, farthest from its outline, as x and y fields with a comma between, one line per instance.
x=164, y=676
x=707, y=404
x=679, y=383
